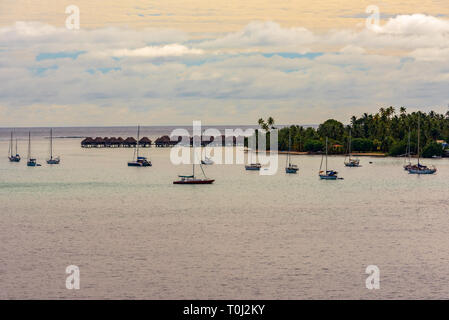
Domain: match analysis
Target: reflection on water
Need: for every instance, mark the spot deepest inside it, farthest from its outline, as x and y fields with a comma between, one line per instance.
x=136, y=235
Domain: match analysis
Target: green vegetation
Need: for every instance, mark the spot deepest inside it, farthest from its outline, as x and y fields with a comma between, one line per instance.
x=384, y=132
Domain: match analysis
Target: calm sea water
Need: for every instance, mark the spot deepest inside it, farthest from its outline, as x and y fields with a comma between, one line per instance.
x=135, y=235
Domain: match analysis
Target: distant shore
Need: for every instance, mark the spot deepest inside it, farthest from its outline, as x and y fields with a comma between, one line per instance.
x=356, y=154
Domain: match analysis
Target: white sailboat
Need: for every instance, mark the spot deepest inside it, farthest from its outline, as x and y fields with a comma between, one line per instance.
x=420, y=168
x=31, y=162
x=289, y=167
x=13, y=156
x=52, y=160
x=351, y=162
x=327, y=174
x=138, y=160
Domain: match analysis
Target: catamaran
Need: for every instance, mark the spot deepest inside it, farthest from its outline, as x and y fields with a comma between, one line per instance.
x=289, y=167
x=419, y=168
x=252, y=166
x=52, y=160
x=13, y=157
x=192, y=179
x=327, y=174
x=32, y=162
x=138, y=160
x=351, y=162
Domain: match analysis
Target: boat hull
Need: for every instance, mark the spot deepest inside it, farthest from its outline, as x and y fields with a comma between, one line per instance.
x=250, y=168
x=53, y=161
x=139, y=164
x=423, y=171
x=324, y=177
x=291, y=170
x=352, y=165
x=14, y=159
x=202, y=181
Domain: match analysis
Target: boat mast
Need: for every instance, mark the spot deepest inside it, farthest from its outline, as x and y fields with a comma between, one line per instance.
x=409, y=147
x=138, y=137
x=419, y=133
x=350, y=144
x=29, y=145
x=289, y=147
x=51, y=143
x=10, y=146
x=326, y=155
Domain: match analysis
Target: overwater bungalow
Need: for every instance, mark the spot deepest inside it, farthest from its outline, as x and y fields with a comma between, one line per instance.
x=145, y=142
x=99, y=142
x=130, y=142
x=163, y=142
x=87, y=143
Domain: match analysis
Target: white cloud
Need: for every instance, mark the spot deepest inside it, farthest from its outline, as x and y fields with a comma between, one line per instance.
x=171, y=50
x=167, y=76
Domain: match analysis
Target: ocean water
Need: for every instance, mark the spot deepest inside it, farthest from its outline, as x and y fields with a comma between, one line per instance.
x=135, y=235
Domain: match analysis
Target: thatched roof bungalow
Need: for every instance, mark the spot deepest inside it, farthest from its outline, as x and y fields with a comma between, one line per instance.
x=145, y=142
x=87, y=142
x=164, y=141
x=130, y=142
x=99, y=142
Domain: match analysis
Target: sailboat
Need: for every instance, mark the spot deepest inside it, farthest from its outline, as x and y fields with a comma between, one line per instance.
x=351, y=162
x=289, y=167
x=327, y=174
x=138, y=160
x=52, y=160
x=13, y=157
x=408, y=165
x=419, y=168
x=192, y=179
x=252, y=166
x=32, y=162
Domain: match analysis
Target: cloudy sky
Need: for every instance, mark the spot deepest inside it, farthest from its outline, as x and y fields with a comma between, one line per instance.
x=222, y=62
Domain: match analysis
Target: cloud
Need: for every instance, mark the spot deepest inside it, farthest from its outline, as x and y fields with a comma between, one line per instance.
x=172, y=50
x=166, y=76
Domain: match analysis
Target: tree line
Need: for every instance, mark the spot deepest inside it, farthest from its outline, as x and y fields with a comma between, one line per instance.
x=386, y=131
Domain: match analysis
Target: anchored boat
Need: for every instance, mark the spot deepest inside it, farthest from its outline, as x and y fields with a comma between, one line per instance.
x=289, y=167
x=252, y=166
x=11, y=156
x=327, y=174
x=138, y=160
x=32, y=162
x=191, y=179
x=52, y=160
x=351, y=162
x=419, y=168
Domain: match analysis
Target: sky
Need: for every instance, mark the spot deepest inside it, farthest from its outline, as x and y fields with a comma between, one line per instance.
x=222, y=62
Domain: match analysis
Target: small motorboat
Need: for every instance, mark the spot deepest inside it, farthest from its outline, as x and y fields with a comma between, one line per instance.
x=253, y=166
x=207, y=161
